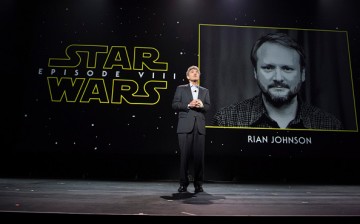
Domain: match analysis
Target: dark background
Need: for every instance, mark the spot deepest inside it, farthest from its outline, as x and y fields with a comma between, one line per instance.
x=139, y=142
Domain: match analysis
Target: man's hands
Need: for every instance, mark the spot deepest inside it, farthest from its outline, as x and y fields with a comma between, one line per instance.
x=196, y=104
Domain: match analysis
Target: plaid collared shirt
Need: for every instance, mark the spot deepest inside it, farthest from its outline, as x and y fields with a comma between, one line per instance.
x=252, y=113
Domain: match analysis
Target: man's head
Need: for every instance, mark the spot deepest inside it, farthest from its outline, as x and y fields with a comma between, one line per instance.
x=193, y=74
x=279, y=67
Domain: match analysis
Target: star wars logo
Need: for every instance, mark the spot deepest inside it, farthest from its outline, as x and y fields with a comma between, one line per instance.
x=103, y=74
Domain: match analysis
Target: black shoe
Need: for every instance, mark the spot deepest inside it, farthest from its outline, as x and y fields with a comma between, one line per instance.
x=199, y=189
x=182, y=188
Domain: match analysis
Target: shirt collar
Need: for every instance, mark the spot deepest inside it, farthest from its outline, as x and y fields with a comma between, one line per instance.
x=260, y=111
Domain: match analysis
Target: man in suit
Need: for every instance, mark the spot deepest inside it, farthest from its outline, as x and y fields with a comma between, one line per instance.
x=191, y=101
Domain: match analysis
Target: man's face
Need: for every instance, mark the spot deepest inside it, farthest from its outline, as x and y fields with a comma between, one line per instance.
x=278, y=73
x=193, y=75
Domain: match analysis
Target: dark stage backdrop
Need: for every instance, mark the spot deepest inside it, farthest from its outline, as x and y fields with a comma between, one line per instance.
x=90, y=85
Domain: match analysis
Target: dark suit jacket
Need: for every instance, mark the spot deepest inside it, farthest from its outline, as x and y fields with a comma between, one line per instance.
x=187, y=116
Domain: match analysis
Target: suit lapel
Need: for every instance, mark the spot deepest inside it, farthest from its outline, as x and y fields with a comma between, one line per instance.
x=188, y=92
x=201, y=94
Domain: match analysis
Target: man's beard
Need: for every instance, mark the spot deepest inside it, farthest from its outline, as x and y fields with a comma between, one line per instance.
x=278, y=101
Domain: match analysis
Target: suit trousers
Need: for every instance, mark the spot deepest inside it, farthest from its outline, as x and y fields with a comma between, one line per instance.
x=192, y=146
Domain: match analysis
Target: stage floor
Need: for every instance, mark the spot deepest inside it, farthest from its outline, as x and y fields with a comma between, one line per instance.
x=160, y=199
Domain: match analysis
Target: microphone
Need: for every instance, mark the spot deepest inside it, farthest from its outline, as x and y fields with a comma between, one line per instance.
x=195, y=90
